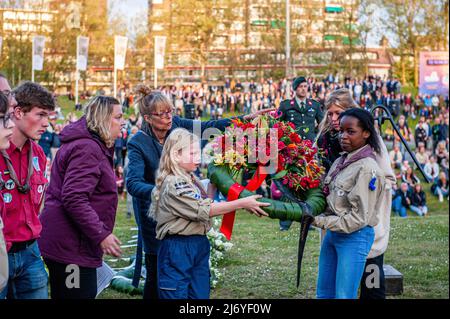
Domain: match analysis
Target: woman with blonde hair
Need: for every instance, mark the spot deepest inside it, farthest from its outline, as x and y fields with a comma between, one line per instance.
x=144, y=152
x=183, y=211
x=81, y=201
x=328, y=137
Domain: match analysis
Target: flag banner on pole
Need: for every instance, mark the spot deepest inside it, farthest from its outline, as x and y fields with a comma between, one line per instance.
x=433, y=72
x=38, y=52
x=160, y=47
x=120, y=51
x=82, y=52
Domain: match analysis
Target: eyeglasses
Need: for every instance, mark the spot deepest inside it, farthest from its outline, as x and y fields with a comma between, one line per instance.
x=167, y=114
x=5, y=119
x=8, y=94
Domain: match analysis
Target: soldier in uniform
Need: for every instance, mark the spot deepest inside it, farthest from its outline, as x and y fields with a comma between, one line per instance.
x=304, y=113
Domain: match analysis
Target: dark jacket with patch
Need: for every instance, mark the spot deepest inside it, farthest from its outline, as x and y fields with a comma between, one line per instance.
x=304, y=118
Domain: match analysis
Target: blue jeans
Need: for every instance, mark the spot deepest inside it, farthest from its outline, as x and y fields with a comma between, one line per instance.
x=421, y=211
x=398, y=208
x=27, y=276
x=439, y=190
x=341, y=263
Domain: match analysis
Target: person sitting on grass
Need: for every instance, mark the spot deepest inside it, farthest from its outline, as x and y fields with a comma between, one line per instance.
x=183, y=212
x=440, y=187
x=401, y=200
x=409, y=177
x=422, y=155
x=396, y=157
x=431, y=169
x=441, y=152
x=418, y=201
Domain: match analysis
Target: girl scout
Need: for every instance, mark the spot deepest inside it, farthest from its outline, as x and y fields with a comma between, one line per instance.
x=183, y=211
x=354, y=186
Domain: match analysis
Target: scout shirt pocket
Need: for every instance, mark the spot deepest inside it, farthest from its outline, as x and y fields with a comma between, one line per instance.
x=338, y=197
x=38, y=183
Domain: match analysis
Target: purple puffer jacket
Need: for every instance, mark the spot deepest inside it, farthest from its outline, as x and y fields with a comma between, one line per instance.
x=81, y=201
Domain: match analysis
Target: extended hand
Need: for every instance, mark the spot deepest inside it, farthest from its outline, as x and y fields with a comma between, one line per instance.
x=253, y=206
x=250, y=117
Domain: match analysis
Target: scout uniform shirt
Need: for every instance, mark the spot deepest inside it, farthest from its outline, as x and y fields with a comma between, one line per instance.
x=180, y=210
x=20, y=217
x=352, y=203
x=303, y=116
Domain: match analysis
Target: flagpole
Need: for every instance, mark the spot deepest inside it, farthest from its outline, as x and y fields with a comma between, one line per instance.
x=156, y=77
x=77, y=75
x=115, y=81
x=32, y=60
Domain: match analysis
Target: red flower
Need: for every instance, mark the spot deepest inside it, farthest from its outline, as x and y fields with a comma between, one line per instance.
x=295, y=138
x=292, y=125
x=247, y=125
x=280, y=132
x=281, y=145
x=237, y=122
x=281, y=163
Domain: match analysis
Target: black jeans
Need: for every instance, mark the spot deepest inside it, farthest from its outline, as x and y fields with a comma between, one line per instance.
x=73, y=282
x=373, y=292
x=151, y=279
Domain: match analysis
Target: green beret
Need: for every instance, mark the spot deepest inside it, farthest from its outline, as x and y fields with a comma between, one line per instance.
x=298, y=81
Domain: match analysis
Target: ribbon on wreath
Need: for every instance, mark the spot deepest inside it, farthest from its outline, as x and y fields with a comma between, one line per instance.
x=235, y=190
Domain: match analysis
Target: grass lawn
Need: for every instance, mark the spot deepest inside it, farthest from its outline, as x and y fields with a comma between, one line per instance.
x=263, y=260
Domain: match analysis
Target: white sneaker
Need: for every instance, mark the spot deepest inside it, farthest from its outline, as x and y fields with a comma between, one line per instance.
x=441, y=198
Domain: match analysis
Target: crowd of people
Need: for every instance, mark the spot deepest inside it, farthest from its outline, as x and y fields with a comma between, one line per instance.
x=84, y=164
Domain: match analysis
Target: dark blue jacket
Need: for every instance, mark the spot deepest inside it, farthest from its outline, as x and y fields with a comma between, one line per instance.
x=46, y=142
x=144, y=152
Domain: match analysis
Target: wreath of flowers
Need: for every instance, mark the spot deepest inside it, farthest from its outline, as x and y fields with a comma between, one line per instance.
x=297, y=165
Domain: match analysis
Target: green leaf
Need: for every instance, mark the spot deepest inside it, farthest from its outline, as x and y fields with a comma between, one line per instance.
x=280, y=174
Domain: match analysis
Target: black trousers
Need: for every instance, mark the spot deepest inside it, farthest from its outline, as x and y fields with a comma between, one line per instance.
x=373, y=285
x=151, y=280
x=71, y=281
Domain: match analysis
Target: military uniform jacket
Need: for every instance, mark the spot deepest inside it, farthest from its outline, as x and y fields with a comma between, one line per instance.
x=180, y=210
x=304, y=118
x=352, y=204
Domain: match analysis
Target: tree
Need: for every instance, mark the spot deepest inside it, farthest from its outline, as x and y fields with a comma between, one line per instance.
x=416, y=25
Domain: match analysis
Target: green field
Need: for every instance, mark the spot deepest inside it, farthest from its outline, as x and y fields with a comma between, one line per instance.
x=262, y=262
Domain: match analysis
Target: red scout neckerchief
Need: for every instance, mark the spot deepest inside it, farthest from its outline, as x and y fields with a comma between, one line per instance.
x=233, y=194
x=25, y=188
